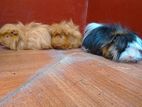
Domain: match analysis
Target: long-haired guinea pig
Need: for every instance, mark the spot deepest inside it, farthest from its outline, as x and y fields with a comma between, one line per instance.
x=10, y=35
x=29, y=36
x=65, y=35
x=112, y=41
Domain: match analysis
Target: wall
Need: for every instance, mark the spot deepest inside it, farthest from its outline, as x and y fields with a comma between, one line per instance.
x=46, y=11
x=126, y=12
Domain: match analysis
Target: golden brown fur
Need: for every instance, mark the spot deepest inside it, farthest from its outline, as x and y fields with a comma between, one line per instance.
x=108, y=51
x=29, y=36
x=65, y=35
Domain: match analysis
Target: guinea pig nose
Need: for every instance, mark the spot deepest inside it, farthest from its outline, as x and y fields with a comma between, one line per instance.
x=14, y=32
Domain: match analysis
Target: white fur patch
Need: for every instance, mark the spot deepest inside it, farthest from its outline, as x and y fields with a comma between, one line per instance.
x=90, y=27
x=138, y=43
x=131, y=54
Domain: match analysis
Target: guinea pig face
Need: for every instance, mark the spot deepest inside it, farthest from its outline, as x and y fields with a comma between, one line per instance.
x=9, y=38
x=59, y=41
x=131, y=54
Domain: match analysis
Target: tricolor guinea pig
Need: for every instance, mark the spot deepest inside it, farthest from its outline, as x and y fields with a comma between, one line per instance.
x=112, y=41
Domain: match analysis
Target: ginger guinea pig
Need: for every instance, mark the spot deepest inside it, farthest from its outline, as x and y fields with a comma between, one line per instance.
x=65, y=35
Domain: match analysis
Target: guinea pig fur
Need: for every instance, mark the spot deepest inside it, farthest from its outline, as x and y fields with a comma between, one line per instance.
x=112, y=41
x=38, y=36
x=29, y=36
x=65, y=35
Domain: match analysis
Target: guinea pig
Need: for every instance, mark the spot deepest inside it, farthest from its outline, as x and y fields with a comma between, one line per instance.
x=29, y=36
x=65, y=35
x=37, y=36
x=113, y=42
x=10, y=35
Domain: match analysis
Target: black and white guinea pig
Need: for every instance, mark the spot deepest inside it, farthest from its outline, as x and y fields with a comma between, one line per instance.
x=112, y=41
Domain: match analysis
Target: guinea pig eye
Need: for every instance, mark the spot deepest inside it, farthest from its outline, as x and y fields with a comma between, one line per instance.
x=57, y=35
x=7, y=36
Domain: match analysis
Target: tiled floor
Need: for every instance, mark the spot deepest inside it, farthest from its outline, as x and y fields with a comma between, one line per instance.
x=71, y=78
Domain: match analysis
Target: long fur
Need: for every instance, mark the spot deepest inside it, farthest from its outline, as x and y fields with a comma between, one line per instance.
x=65, y=35
x=29, y=36
x=113, y=42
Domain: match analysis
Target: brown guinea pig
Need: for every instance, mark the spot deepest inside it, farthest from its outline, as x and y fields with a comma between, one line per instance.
x=65, y=35
x=10, y=35
x=29, y=36
x=38, y=36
